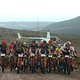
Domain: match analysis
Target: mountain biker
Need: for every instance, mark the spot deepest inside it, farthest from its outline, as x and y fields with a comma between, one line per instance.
x=51, y=47
x=18, y=52
x=43, y=48
x=44, y=51
x=65, y=49
x=3, y=50
x=55, y=41
x=18, y=47
x=3, y=47
x=72, y=49
x=33, y=47
x=57, y=50
x=9, y=48
x=25, y=49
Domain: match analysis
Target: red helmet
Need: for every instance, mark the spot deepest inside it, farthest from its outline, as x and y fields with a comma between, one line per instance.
x=10, y=46
x=3, y=42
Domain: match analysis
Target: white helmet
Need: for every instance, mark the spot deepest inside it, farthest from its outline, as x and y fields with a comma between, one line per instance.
x=68, y=42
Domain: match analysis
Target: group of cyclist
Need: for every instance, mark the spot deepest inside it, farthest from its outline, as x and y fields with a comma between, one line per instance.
x=35, y=53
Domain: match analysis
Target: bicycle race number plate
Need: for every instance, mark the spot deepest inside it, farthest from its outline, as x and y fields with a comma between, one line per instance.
x=66, y=56
x=43, y=55
x=50, y=56
x=2, y=54
x=54, y=57
x=32, y=54
x=20, y=55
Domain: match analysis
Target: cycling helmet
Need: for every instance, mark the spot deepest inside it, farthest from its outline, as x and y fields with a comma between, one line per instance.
x=3, y=42
x=10, y=46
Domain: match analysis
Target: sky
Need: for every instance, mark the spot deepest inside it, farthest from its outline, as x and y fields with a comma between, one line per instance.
x=38, y=10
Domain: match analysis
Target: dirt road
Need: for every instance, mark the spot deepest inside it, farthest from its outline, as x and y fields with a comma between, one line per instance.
x=38, y=76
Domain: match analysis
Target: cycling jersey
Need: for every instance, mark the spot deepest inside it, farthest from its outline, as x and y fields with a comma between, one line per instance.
x=44, y=49
x=18, y=48
x=66, y=51
x=33, y=48
x=3, y=48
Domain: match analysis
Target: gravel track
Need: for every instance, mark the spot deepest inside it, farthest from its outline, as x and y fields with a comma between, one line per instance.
x=38, y=76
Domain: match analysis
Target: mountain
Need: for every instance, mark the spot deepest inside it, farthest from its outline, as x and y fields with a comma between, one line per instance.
x=24, y=25
x=71, y=26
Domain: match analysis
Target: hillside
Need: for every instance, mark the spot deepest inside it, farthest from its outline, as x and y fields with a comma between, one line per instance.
x=71, y=26
x=24, y=25
x=11, y=34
